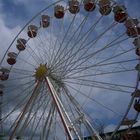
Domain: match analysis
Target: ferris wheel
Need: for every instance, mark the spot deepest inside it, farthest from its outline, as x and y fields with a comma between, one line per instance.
x=73, y=66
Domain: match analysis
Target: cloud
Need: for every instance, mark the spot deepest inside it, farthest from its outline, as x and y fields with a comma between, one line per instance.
x=20, y=11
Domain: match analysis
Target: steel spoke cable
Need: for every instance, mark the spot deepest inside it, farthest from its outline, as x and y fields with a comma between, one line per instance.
x=80, y=48
x=98, y=51
x=30, y=113
x=50, y=122
x=89, y=56
x=68, y=42
x=23, y=60
x=106, y=83
x=84, y=117
x=33, y=54
x=23, y=112
x=105, y=73
x=92, y=44
x=32, y=51
x=41, y=116
x=94, y=100
x=98, y=86
x=78, y=41
x=66, y=33
x=38, y=47
x=16, y=107
x=100, y=63
x=42, y=48
x=45, y=124
x=54, y=48
x=46, y=104
x=107, y=64
x=61, y=29
x=44, y=39
x=17, y=95
x=8, y=90
x=61, y=45
x=45, y=47
x=127, y=51
x=18, y=78
x=18, y=69
x=21, y=72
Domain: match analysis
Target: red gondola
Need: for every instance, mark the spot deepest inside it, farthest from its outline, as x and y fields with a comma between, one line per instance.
x=4, y=74
x=137, y=105
x=89, y=5
x=59, y=11
x=74, y=6
x=45, y=21
x=120, y=14
x=32, y=31
x=21, y=44
x=105, y=7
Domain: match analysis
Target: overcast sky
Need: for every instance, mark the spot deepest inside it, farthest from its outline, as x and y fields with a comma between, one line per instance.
x=14, y=14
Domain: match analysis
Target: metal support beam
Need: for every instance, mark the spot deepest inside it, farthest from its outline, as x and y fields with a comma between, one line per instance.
x=58, y=107
x=23, y=112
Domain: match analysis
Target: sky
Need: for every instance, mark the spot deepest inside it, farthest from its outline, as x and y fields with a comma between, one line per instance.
x=14, y=14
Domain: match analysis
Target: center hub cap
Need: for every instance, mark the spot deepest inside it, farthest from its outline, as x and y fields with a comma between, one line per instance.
x=41, y=72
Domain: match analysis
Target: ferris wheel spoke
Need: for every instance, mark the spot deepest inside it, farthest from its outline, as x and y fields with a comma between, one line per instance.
x=81, y=44
x=88, y=57
x=18, y=105
x=37, y=121
x=104, y=73
x=18, y=78
x=93, y=43
x=78, y=41
x=94, y=100
x=82, y=116
x=22, y=114
x=74, y=102
x=65, y=52
x=21, y=72
x=37, y=44
x=57, y=42
x=110, y=58
x=50, y=123
x=44, y=51
x=105, y=83
x=18, y=96
x=61, y=45
x=23, y=60
x=47, y=45
x=19, y=86
x=33, y=54
x=100, y=87
x=107, y=64
x=39, y=104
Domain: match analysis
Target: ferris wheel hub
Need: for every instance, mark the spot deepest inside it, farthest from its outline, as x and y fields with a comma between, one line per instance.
x=41, y=72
